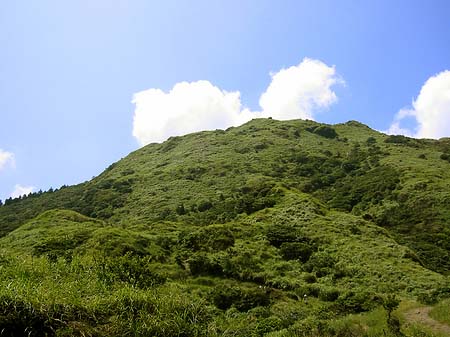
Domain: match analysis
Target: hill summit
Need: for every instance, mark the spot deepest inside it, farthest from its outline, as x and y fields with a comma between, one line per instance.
x=277, y=228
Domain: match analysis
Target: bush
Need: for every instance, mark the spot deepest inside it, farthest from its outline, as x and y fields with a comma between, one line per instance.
x=201, y=264
x=277, y=234
x=328, y=294
x=371, y=187
x=209, y=238
x=445, y=156
x=204, y=206
x=322, y=263
x=255, y=195
x=308, y=290
x=296, y=251
x=325, y=131
x=371, y=141
x=130, y=269
x=269, y=324
x=310, y=278
x=397, y=139
x=434, y=296
x=390, y=303
x=356, y=302
x=63, y=247
x=180, y=210
x=243, y=299
x=223, y=297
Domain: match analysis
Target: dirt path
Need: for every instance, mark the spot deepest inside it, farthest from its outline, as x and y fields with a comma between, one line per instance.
x=422, y=316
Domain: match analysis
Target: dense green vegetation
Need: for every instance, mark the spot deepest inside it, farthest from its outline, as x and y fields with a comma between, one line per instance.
x=269, y=229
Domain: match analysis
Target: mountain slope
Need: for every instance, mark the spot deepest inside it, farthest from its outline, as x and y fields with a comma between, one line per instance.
x=81, y=276
x=399, y=183
x=272, y=228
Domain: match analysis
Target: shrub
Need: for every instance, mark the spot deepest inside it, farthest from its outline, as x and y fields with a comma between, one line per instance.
x=355, y=302
x=131, y=269
x=209, y=238
x=325, y=131
x=269, y=324
x=296, y=251
x=371, y=141
x=257, y=194
x=390, y=303
x=243, y=299
x=201, y=264
x=397, y=139
x=204, y=205
x=54, y=248
x=320, y=262
x=328, y=294
x=310, y=278
x=180, y=209
x=308, y=290
x=434, y=296
x=223, y=297
x=370, y=187
x=277, y=234
x=445, y=156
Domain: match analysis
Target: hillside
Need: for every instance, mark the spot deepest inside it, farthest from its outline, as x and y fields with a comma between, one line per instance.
x=225, y=233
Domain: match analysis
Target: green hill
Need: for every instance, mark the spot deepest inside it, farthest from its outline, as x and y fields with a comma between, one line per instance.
x=273, y=228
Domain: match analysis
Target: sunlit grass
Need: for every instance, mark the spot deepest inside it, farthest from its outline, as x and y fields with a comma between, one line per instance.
x=441, y=311
x=269, y=229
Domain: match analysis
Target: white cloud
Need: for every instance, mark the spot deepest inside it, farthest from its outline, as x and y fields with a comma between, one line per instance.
x=188, y=107
x=20, y=190
x=396, y=128
x=295, y=92
x=6, y=158
x=430, y=111
x=299, y=91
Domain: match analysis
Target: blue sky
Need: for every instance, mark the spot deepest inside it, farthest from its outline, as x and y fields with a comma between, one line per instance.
x=70, y=69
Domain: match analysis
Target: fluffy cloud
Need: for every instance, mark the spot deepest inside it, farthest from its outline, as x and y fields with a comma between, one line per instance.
x=20, y=190
x=430, y=111
x=396, y=128
x=188, y=107
x=6, y=158
x=299, y=91
x=295, y=92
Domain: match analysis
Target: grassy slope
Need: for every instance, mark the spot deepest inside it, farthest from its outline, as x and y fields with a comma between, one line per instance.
x=76, y=287
x=213, y=176
x=246, y=220
x=363, y=253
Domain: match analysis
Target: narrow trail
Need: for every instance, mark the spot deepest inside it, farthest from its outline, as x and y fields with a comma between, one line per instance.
x=422, y=316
